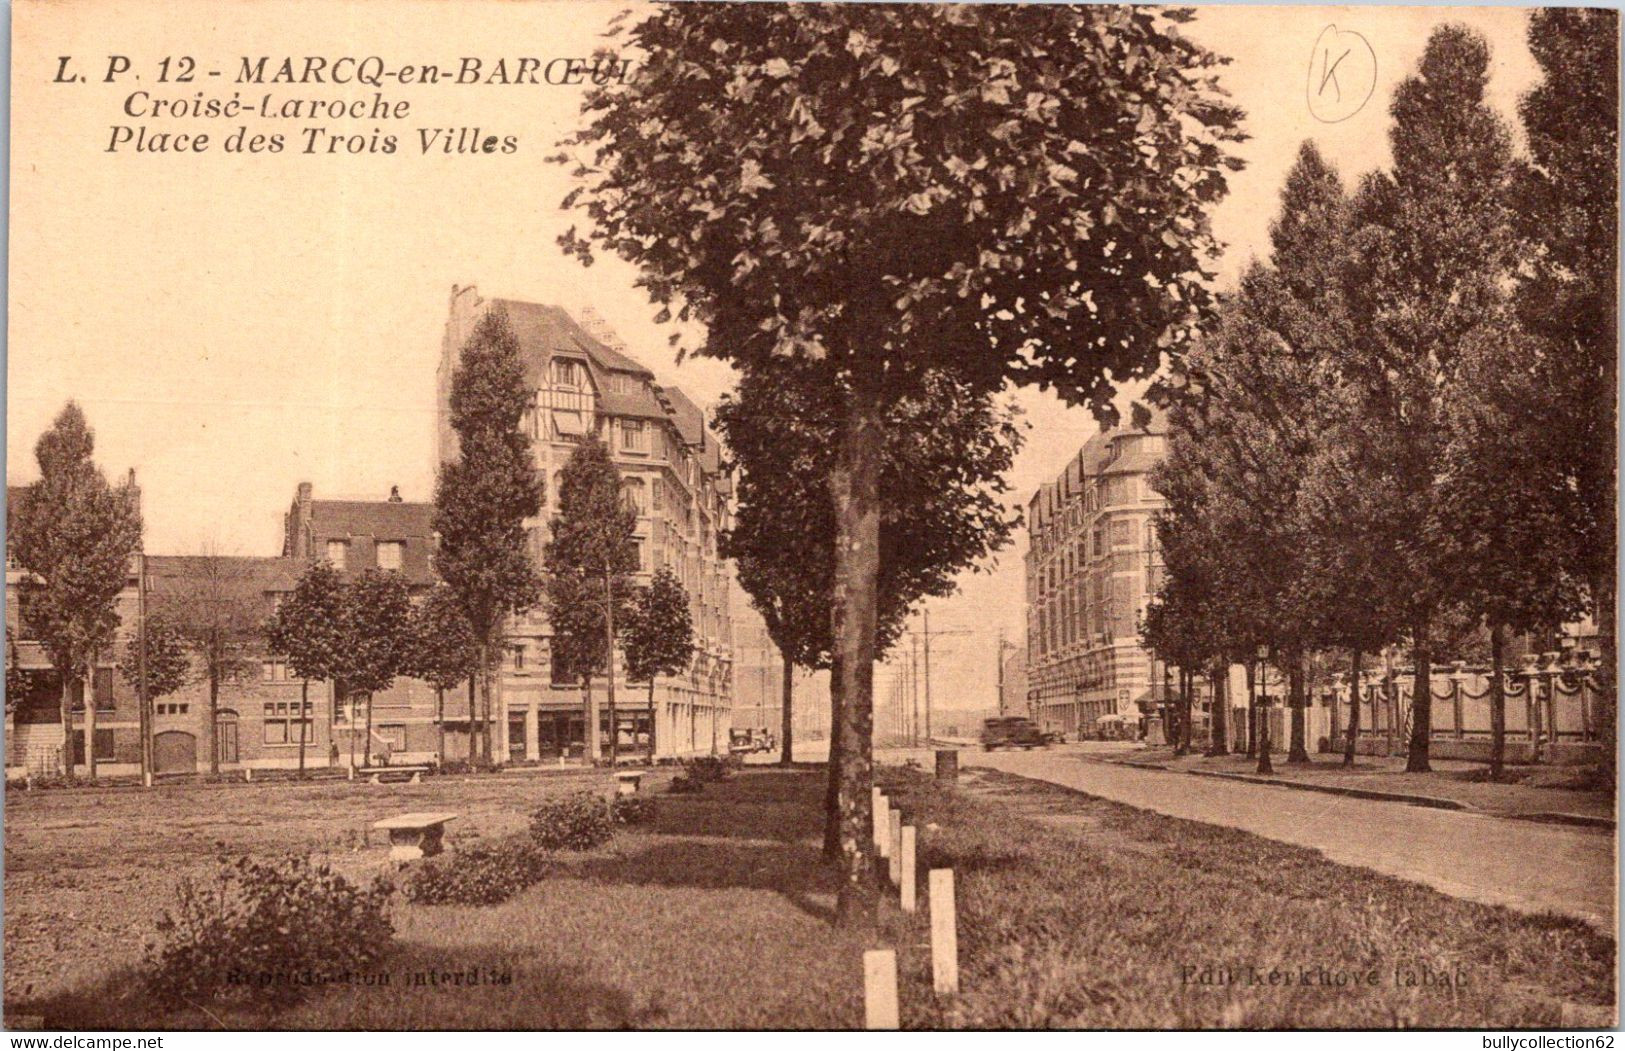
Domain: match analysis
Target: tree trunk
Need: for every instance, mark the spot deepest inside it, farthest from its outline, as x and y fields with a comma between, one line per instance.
x=67, y=724
x=589, y=729
x=1298, y=751
x=487, y=700
x=1416, y=762
x=1498, y=704
x=473, y=714
x=1219, y=728
x=366, y=748
x=609, y=665
x=440, y=724
x=351, y=720
x=304, y=724
x=654, y=719
x=854, y=487
x=1261, y=715
x=1252, y=709
x=832, y=780
x=1186, y=686
x=789, y=696
x=214, y=721
x=90, y=726
x=1353, y=732
x=1607, y=678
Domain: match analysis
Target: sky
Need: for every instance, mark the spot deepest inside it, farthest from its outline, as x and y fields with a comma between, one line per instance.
x=234, y=325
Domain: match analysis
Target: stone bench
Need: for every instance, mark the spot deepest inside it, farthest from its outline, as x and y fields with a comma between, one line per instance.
x=413, y=836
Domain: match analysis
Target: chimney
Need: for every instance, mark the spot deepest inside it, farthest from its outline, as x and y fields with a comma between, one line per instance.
x=595, y=326
x=296, y=541
x=394, y=494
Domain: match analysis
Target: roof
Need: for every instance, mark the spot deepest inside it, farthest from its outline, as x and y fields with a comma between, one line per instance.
x=552, y=330
x=380, y=518
x=164, y=572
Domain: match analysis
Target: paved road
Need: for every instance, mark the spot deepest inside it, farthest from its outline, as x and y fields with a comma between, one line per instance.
x=1521, y=864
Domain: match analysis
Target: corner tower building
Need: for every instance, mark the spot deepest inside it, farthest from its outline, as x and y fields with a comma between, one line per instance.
x=584, y=382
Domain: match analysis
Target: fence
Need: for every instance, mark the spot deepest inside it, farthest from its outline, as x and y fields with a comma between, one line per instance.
x=1552, y=713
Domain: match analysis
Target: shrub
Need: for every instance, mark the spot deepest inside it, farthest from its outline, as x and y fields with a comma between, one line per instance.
x=631, y=810
x=684, y=783
x=579, y=821
x=710, y=768
x=482, y=874
x=267, y=932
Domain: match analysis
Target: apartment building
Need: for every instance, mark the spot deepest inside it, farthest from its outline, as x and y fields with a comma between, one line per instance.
x=1092, y=565
x=585, y=382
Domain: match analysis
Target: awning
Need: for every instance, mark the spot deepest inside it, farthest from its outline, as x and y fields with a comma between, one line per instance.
x=569, y=423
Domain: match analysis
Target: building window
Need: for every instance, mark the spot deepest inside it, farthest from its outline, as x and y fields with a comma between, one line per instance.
x=338, y=553
x=282, y=722
x=634, y=436
x=634, y=492
x=274, y=671
x=391, y=553
x=568, y=373
x=519, y=657
x=103, y=684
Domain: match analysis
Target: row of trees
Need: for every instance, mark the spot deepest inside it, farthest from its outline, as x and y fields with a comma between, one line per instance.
x=76, y=535
x=483, y=500
x=875, y=211
x=1399, y=430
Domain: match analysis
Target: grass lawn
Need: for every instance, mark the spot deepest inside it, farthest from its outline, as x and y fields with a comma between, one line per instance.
x=715, y=914
x=1522, y=791
x=1073, y=911
x=1079, y=912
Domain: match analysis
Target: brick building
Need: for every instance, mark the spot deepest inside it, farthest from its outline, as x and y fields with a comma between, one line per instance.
x=34, y=728
x=671, y=468
x=395, y=535
x=1092, y=566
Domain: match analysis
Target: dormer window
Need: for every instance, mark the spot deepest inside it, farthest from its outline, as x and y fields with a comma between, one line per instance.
x=567, y=373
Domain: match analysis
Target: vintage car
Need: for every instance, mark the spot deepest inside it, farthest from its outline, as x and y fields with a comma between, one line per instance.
x=1012, y=732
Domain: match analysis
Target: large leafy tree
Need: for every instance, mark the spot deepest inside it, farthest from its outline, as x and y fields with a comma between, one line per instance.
x=1003, y=193
x=308, y=629
x=590, y=558
x=1504, y=542
x=377, y=635
x=215, y=602
x=946, y=453
x=443, y=653
x=75, y=535
x=1432, y=254
x=1568, y=205
x=485, y=495
x=658, y=636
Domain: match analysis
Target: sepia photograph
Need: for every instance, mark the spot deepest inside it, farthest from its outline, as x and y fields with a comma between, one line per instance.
x=577, y=515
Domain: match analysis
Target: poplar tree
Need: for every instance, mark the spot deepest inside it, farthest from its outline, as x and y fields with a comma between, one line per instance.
x=659, y=637
x=1431, y=256
x=168, y=665
x=75, y=535
x=1568, y=292
x=485, y=495
x=590, y=559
